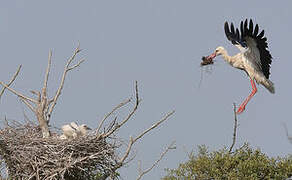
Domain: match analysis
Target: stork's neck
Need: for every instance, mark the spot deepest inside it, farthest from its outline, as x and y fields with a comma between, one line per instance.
x=226, y=57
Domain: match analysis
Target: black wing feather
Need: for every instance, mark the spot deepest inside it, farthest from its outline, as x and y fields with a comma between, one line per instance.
x=261, y=34
x=246, y=30
x=250, y=29
x=232, y=28
x=241, y=28
x=256, y=30
x=227, y=31
x=237, y=34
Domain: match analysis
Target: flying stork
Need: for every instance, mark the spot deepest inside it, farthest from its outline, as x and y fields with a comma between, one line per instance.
x=254, y=57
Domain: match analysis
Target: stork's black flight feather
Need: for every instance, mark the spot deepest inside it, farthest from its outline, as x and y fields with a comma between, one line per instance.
x=248, y=30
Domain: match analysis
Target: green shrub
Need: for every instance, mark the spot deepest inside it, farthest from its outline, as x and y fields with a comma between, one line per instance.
x=243, y=163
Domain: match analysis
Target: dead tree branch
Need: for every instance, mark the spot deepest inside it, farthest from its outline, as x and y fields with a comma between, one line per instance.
x=133, y=140
x=142, y=173
x=234, y=128
x=42, y=107
x=129, y=115
x=11, y=81
x=110, y=113
x=287, y=133
x=17, y=93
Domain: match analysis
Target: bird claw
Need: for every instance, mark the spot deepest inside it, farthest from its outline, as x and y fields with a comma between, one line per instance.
x=240, y=109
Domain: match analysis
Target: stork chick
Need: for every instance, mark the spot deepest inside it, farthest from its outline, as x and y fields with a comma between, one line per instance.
x=69, y=131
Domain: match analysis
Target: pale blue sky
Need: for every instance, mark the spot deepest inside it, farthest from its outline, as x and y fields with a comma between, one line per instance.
x=160, y=44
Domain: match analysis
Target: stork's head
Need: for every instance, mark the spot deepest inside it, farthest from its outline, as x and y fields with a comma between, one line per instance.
x=83, y=129
x=84, y=126
x=209, y=59
x=219, y=50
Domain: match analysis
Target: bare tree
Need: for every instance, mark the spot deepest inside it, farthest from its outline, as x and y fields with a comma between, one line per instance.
x=42, y=106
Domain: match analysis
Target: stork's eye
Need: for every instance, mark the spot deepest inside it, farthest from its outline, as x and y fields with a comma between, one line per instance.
x=216, y=50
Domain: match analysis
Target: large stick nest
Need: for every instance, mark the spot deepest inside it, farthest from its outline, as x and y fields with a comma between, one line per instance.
x=29, y=156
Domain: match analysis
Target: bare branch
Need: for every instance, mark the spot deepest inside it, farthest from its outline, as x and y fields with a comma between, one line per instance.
x=132, y=141
x=28, y=104
x=17, y=93
x=11, y=81
x=134, y=109
x=129, y=115
x=38, y=94
x=287, y=133
x=110, y=113
x=66, y=69
x=48, y=70
x=155, y=125
x=142, y=173
x=76, y=51
x=234, y=129
x=76, y=65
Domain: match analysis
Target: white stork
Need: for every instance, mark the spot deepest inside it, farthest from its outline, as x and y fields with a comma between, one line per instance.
x=254, y=57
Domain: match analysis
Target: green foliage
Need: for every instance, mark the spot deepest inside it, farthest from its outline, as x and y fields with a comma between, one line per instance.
x=243, y=163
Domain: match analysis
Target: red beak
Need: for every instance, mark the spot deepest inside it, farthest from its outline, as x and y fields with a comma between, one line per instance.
x=212, y=56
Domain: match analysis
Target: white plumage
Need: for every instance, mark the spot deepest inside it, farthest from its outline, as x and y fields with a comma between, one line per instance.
x=72, y=131
x=82, y=130
x=69, y=131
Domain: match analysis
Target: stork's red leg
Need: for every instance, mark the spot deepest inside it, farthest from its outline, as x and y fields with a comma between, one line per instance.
x=254, y=90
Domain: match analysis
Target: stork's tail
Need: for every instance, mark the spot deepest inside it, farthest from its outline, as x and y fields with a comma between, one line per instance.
x=269, y=85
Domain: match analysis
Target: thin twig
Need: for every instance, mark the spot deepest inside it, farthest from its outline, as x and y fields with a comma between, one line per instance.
x=234, y=129
x=110, y=113
x=129, y=115
x=155, y=125
x=142, y=173
x=287, y=133
x=28, y=105
x=132, y=141
x=38, y=94
x=135, y=108
x=76, y=65
x=11, y=81
x=48, y=70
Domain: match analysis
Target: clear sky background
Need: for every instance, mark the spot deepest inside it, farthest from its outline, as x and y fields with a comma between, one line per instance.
x=159, y=43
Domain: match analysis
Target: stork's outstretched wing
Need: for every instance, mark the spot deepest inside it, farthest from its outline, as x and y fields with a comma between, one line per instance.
x=254, y=46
